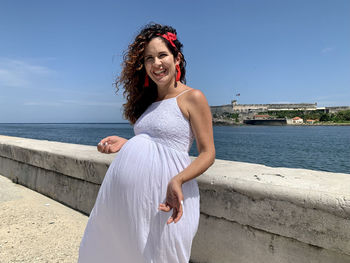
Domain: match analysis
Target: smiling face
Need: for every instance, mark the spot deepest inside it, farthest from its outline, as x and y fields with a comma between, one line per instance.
x=160, y=63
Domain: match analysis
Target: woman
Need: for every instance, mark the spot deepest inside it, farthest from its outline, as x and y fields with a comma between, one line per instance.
x=147, y=209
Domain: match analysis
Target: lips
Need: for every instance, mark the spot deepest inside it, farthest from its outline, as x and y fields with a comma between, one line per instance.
x=160, y=73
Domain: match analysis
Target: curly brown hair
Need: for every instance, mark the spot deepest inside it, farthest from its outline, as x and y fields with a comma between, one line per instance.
x=132, y=77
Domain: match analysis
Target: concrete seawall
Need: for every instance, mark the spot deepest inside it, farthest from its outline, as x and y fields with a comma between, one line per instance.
x=249, y=212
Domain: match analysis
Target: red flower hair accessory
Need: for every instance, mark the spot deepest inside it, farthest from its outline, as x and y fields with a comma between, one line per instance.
x=170, y=37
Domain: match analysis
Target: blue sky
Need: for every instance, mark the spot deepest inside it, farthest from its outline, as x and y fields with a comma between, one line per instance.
x=59, y=59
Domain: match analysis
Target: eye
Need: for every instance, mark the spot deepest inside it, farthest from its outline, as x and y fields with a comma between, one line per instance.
x=147, y=59
x=162, y=55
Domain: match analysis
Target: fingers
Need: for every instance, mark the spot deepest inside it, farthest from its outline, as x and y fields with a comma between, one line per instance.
x=110, y=144
x=171, y=219
x=167, y=208
x=177, y=212
x=164, y=208
x=105, y=140
x=103, y=146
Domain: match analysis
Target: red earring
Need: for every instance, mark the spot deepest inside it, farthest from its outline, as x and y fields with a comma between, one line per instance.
x=178, y=74
x=146, y=84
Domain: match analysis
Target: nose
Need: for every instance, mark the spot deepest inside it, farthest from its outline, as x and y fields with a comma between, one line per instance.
x=157, y=62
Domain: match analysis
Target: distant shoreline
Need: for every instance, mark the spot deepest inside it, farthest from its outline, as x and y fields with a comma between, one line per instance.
x=321, y=124
x=64, y=123
x=223, y=122
x=217, y=122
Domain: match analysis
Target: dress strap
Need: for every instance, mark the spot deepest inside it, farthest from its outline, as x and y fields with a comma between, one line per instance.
x=182, y=92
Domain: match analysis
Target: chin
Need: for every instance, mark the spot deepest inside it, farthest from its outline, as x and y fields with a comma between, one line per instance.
x=162, y=82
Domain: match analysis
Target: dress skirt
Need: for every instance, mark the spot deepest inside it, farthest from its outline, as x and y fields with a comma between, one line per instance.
x=125, y=224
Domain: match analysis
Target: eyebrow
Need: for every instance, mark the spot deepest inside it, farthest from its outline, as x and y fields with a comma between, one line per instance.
x=161, y=52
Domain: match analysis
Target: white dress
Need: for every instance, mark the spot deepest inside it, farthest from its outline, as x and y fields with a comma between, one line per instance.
x=125, y=224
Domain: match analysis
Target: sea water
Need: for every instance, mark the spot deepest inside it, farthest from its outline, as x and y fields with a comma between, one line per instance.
x=325, y=148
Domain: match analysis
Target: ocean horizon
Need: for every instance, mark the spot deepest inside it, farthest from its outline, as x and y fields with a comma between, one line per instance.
x=323, y=148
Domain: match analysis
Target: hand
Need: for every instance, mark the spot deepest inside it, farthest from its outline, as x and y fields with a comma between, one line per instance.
x=174, y=200
x=111, y=144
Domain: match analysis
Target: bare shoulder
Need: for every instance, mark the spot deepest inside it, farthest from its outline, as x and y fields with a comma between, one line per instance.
x=195, y=96
x=190, y=100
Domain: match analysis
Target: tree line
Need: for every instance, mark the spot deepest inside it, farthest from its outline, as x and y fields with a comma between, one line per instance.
x=319, y=115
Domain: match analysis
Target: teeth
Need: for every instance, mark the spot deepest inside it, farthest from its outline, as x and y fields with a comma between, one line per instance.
x=160, y=71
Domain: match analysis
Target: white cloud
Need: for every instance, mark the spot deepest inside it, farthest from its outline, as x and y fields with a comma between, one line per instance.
x=92, y=103
x=327, y=50
x=282, y=102
x=43, y=103
x=339, y=99
x=9, y=78
x=73, y=102
x=19, y=73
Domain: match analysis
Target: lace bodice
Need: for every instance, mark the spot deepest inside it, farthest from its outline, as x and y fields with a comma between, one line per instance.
x=164, y=122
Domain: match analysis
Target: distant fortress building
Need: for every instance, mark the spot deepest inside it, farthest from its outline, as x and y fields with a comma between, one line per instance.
x=259, y=114
x=253, y=108
x=248, y=108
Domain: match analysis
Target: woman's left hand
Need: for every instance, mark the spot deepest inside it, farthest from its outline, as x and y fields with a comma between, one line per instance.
x=174, y=200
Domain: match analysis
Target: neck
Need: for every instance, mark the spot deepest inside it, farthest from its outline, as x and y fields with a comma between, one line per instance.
x=163, y=91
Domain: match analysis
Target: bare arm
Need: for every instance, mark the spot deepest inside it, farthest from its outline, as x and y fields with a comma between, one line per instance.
x=201, y=122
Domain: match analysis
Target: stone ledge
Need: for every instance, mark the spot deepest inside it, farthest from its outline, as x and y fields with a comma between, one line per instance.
x=73, y=192
x=246, y=244
x=311, y=207
x=80, y=161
